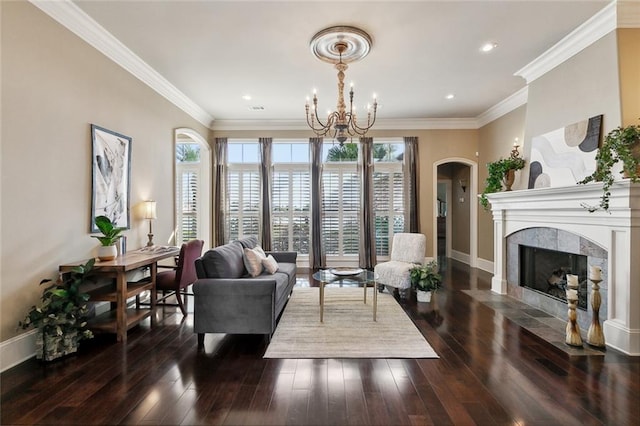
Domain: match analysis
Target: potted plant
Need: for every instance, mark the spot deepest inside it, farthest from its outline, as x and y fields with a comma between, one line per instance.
x=61, y=318
x=620, y=145
x=501, y=172
x=426, y=280
x=109, y=238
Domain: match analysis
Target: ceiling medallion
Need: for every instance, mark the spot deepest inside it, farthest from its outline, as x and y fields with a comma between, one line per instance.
x=340, y=45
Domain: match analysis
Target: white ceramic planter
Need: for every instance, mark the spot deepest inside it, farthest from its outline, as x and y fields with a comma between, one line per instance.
x=107, y=252
x=423, y=296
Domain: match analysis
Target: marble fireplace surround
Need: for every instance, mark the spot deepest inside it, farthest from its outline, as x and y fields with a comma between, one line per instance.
x=616, y=232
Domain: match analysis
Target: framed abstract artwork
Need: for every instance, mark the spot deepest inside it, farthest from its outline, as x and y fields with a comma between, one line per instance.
x=111, y=185
x=565, y=156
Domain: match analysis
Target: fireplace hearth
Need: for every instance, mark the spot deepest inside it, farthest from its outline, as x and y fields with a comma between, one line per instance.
x=545, y=271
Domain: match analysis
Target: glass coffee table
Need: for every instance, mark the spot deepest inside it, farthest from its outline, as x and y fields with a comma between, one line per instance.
x=347, y=275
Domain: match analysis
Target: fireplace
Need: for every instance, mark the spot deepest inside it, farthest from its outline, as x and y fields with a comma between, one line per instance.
x=554, y=219
x=545, y=271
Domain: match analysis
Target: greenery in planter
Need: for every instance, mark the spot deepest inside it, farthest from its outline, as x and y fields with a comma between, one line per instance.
x=497, y=172
x=621, y=144
x=110, y=233
x=62, y=315
x=425, y=277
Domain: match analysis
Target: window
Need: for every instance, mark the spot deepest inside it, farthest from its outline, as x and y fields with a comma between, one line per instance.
x=243, y=190
x=188, y=177
x=388, y=193
x=340, y=200
x=291, y=198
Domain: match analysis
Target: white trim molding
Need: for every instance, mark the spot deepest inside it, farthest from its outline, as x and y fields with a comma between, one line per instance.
x=78, y=22
x=599, y=25
x=17, y=349
x=381, y=124
x=485, y=265
x=503, y=107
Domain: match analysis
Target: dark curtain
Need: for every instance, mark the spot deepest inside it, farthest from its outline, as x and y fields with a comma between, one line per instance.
x=317, y=256
x=219, y=191
x=367, y=250
x=410, y=172
x=265, y=192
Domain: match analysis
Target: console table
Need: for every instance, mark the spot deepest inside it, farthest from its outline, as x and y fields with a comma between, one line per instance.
x=120, y=319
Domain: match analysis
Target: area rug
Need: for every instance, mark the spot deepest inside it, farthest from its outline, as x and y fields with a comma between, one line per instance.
x=348, y=330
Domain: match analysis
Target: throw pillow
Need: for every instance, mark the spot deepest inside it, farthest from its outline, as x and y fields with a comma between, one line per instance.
x=252, y=261
x=270, y=264
x=260, y=251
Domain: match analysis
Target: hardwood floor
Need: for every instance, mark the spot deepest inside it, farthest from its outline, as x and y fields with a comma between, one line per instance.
x=491, y=371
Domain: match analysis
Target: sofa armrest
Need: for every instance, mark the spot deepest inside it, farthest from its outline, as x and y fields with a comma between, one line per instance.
x=284, y=256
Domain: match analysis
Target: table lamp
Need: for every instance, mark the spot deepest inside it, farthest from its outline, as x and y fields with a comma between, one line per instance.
x=150, y=213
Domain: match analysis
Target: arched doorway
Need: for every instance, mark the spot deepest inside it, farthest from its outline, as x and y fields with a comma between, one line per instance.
x=456, y=216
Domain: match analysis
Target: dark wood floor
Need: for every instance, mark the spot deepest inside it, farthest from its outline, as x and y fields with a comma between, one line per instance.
x=490, y=372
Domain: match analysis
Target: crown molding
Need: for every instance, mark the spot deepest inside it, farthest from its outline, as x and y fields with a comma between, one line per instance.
x=599, y=25
x=78, y=22
x=503, y=107
x=381, y=124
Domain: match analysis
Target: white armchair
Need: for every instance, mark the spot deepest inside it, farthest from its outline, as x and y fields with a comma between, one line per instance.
x=407, y=250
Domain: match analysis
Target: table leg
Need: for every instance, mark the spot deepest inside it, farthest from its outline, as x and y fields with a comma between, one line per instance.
x=321, y=300
x=365, y=292
x=375, y=301
x=121, y=307
x=153, y=270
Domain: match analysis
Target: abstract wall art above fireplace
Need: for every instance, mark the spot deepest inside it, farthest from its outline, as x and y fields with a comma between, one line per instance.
x=565, y=156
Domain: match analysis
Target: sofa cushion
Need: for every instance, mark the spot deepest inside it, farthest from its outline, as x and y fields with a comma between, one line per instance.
x=287, y=268
x=270, y=264
x=224, y=261
x=248, y=242
x=253, y=259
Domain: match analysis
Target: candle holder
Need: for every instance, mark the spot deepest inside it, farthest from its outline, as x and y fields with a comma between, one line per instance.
x=573, y=337
x=595, y=336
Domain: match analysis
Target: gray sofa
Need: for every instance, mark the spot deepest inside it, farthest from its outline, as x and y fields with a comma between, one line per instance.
x=228, y=300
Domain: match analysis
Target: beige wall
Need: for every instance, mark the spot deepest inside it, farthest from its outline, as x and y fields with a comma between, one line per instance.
x=629, y=62
x=53, y=87
x=496, y=141
x=433, y=145
x=583, y=86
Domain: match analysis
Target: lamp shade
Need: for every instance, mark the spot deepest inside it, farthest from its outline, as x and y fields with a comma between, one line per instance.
x=150, y=210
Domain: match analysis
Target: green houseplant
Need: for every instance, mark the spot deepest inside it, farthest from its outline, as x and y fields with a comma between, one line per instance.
x=108, y=239
x=425, y=279
x=620, y=145
x=61, y=318
x=501, y=172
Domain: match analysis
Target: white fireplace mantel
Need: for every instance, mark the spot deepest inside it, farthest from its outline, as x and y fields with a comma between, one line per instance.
x=617, y=231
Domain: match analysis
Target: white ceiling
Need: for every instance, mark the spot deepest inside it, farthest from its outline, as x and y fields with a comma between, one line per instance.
x=217, y=51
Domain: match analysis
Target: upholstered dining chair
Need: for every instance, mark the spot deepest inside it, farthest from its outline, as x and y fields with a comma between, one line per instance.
x=177, y=278
x=407, y=250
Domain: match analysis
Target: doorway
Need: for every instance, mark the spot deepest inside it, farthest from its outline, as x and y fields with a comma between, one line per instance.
x=455, y=212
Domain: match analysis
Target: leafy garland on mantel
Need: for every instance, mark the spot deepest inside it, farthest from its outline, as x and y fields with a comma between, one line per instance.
x=620, y=144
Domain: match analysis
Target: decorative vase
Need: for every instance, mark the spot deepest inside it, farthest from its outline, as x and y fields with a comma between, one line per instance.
x=107, y=252
x=509, y=178
x=52, y=346
x=423, y=296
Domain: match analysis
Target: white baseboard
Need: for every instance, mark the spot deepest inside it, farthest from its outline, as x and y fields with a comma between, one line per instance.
x=460, y=257
x=485, y=265
x=17, y=349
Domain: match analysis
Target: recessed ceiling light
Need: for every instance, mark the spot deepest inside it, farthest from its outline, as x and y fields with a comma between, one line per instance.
x=450, y=96
x=488, y=47
x=246, y=97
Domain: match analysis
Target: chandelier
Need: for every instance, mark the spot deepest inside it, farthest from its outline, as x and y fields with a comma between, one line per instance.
x=340, y=45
